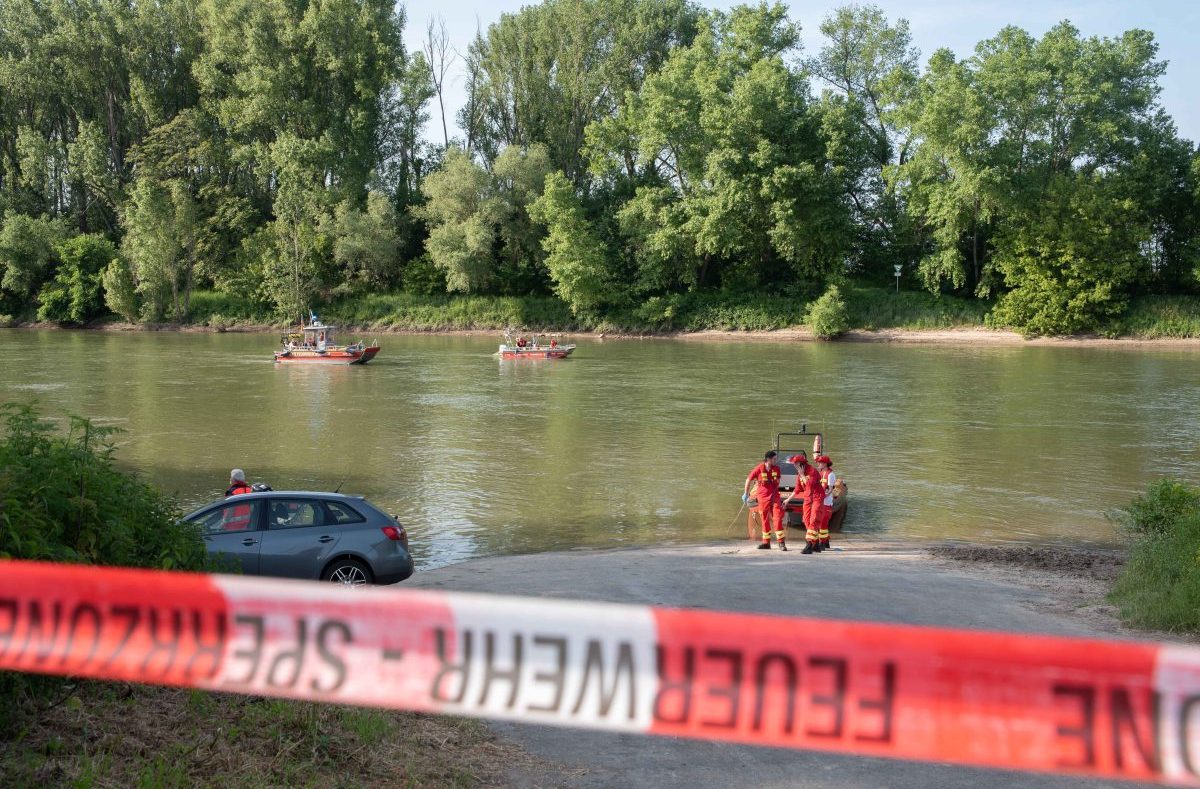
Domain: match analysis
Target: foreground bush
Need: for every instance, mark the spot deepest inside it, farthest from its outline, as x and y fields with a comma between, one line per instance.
x=1160, y=586
x=62, y=500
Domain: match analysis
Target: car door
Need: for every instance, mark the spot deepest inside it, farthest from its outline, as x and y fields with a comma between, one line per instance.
x=299, y=538
x=232, y=535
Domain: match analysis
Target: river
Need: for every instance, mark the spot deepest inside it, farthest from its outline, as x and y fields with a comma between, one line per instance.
x=634, y=442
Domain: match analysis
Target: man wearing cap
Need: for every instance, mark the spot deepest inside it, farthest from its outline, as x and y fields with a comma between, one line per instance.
x=770, y=507
x=808, y=484
x=825, y=511
x=237, y=483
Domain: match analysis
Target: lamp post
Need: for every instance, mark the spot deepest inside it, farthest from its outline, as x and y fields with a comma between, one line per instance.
x=897, y=267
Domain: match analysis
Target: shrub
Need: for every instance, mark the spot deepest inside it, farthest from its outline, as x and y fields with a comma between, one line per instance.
x=1160, y=586
x=421, y=277
x=74, y=295
x=120, y=289
x=828, y=316
x=62, y=500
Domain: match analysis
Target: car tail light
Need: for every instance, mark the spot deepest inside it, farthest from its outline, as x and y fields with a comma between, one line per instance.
x=396, y=534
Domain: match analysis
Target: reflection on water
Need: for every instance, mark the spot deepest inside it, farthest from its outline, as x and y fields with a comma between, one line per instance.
x=634, y=442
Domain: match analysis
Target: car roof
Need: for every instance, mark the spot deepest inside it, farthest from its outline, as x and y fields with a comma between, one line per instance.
x=266, y=494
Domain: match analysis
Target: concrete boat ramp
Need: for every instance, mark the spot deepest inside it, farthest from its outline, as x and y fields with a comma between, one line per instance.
x=860, y=580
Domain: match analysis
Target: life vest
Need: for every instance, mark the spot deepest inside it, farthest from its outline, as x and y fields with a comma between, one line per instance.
x=237, y=489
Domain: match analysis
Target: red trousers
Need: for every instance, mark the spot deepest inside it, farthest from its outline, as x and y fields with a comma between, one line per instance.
x=824, y=513
x=812, y=509
x=771, y=511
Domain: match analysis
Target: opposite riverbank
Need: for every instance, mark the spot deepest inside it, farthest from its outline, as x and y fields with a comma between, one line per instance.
x=966, y=336
x=873, y=314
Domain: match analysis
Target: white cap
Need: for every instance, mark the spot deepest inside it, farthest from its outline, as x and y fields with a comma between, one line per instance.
x=237, y=475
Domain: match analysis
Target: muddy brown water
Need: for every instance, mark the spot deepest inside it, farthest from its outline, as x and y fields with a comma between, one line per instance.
x=635, y=442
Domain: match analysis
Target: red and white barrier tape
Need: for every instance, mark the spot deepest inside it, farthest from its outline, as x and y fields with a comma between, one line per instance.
x=1086, y=707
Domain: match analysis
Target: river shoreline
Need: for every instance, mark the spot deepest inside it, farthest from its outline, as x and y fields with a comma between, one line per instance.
x=971, y=336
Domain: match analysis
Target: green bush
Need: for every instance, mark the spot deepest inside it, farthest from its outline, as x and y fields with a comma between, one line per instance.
x=827, y=316
x=63, y=500
x=883, y=308
x=212, y=308
x=1162, y=316
x=120, y=289
x=75, y=294
x=1160, y=585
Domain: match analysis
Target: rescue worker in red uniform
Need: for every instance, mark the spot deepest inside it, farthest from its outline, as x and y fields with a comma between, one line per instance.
x=825, y=510
x=808, y=485
x=770, y=506
x=237, y=484
x=239, y=518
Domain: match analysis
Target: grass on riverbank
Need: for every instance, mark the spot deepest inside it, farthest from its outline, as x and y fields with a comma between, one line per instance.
x=115, y=734
x=869, y=308
x=1160, y=586
x=1161, y=316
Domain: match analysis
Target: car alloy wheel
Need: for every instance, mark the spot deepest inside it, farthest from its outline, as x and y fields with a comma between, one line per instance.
x=349, y=575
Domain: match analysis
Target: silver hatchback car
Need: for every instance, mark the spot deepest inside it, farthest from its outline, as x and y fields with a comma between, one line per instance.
x=302, y=534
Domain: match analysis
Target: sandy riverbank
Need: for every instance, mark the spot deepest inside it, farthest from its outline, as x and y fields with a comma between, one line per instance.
x=965, y=336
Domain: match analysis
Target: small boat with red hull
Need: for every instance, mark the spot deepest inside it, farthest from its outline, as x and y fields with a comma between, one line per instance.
x=314, y=344
x=537, y=346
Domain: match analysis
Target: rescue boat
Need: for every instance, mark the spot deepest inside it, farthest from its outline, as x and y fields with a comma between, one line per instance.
x=536, y=346
x=314, y=344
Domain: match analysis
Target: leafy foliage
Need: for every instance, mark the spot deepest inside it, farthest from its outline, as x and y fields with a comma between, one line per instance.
x=75, y=294
x=65, y=501
x=27, y=253
x=827, y=316
x=120, y=290
x=276, y=152
x=1160, y=586
x=574, y=255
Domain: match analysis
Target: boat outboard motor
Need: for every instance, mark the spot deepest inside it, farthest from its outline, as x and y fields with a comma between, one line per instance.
x=259, y=487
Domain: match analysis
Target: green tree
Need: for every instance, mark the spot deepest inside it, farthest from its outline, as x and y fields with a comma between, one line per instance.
x=461, y=230
x=313, y=71
x=575, y=257
x=869, y=66
x=543, y=74
x=120, y=289
x=365, y=243
x=480, y=233
x=160, y=242
x=1073, y=260
x=1024, y=145
x=75, y=294
x=519, y=178
x=293, y=270
x=27, y=254
x=737, y=161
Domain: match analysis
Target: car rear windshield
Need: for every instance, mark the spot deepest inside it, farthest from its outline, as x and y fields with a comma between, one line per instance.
x=343, y=513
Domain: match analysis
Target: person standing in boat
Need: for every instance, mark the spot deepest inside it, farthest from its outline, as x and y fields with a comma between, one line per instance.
x=237, y=484
x=829, y=483
x=808, y=485
x=770, y=506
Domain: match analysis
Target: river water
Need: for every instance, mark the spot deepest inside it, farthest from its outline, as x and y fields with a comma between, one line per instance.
x=636, y=441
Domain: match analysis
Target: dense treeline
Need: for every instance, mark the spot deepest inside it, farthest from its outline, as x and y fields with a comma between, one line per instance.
x=614, y=154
